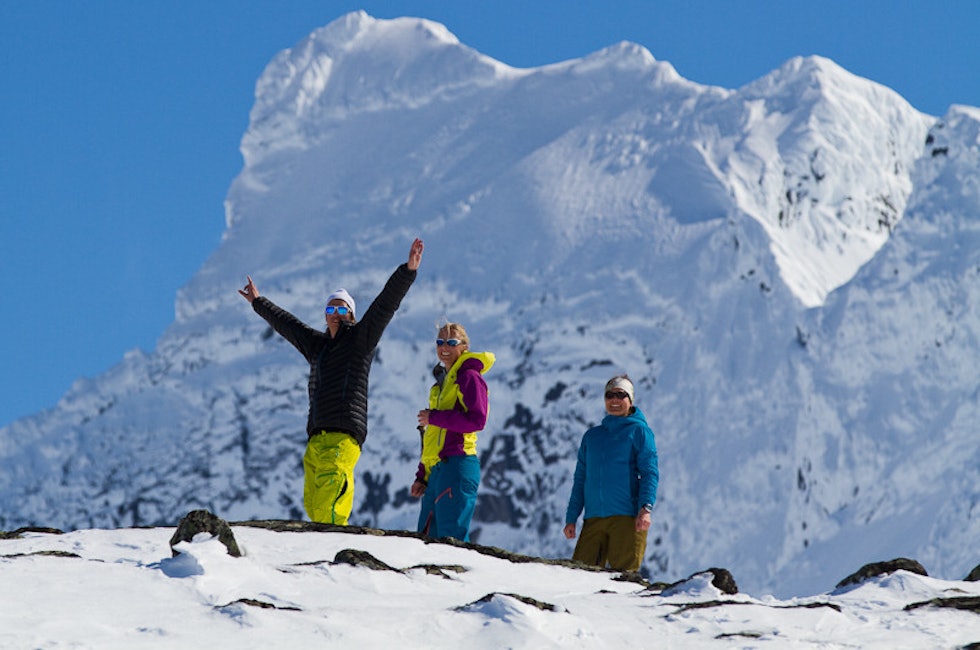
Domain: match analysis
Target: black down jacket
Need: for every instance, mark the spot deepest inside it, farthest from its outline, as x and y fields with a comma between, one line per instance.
x=339, y=366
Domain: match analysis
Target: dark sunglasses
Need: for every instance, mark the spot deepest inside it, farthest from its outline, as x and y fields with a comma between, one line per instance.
x=450, y=342
x=340, y=310
x=616, y=394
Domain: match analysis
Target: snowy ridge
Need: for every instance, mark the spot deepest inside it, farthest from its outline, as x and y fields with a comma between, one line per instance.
x=122, y=589
x=582, y=219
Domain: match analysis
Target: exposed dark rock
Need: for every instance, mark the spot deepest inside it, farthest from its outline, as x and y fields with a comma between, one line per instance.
x=258, y=603
x=741, y=635
x=44, y=553
x=16, y=534
x=202, y=521
x=56, y=554
x=296, y=526
x=440, y=569
x=882, y=568
x=545, y=607
x=721, y=579
x=356, y=557
x=498, y=508
x=375, y=494
x=968, y=603
x=974, y=576
x=833, y=606
x=628, y=576
x=721, y=603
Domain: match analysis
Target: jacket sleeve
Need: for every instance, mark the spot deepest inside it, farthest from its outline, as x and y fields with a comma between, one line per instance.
x=473, y=389
x=303, y=337
x=576, y=500
x=647, y=465
x=383, y=309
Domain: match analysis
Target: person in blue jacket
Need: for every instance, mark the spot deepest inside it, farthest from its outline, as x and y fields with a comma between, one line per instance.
x=615, y=483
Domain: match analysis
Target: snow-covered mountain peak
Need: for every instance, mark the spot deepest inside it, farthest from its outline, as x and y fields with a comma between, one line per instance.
x=324, y=78
x=823, y=160
x=624, y=55
x=804, y=77
x=951, y=157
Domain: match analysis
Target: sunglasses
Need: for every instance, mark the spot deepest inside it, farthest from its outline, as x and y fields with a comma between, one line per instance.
x=340, y=310
x=616, y=394
x=450, y=342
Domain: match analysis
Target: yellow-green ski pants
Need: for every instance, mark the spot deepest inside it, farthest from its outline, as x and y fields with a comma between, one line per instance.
x=328, y=469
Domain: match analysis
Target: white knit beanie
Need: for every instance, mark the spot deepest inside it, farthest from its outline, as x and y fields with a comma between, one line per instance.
x=621, y=382
x=346, y=297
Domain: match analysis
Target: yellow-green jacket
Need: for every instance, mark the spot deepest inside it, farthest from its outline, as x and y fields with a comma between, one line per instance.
x=459, y=407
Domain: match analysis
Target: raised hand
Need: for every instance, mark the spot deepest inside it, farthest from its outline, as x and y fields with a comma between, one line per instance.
x=415, y=254
x=250, y=293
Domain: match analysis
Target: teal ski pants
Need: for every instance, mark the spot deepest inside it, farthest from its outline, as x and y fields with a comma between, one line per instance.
x=450, y=498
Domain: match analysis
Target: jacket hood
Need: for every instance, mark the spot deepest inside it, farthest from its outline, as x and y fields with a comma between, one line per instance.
x=472, y=359
x=617, y=422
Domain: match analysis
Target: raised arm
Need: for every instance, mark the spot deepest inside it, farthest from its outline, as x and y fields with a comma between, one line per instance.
x=372, y=324
x=303, y=337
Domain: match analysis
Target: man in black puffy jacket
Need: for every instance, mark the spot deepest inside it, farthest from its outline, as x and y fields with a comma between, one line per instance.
x=340, y=360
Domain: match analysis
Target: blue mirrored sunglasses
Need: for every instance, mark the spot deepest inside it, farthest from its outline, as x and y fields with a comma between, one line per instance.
x=450, y=342
x=340, y=310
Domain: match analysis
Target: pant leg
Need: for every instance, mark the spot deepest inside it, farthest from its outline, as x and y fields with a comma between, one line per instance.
x=455, y=499
x=426, y=523
x=328, y=468
x=627, y=546
x=592, y=546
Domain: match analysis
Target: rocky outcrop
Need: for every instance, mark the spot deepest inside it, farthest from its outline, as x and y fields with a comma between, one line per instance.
x=974, y=575
x=527, y=600
x=14, y=534
x=966, y=603
x=882, y=568
x=202, y=521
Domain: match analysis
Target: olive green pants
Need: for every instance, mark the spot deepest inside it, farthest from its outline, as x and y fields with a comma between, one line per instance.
x=328, y=470
x=611, y=539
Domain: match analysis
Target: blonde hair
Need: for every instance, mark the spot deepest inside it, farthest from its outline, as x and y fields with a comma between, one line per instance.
x=455, y=330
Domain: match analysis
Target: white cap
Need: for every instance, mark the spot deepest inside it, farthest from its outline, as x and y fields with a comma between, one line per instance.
x=342, y=294
x=621, y=382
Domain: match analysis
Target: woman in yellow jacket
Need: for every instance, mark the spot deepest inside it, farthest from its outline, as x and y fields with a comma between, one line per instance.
x=449, y=473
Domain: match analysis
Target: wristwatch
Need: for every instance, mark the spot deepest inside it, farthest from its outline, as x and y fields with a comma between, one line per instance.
x=648, y=507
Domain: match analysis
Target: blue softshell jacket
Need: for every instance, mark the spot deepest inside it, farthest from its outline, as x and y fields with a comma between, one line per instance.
x=617, y=469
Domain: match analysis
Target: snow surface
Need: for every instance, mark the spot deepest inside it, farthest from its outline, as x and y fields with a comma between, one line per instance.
x=789, y=271
x=122, y=589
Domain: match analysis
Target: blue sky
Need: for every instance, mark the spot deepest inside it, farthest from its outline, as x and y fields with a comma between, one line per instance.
x=120, y=123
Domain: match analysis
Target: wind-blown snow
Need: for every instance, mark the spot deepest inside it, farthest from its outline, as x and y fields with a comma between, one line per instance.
x=785, y=270
x=122, y=589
